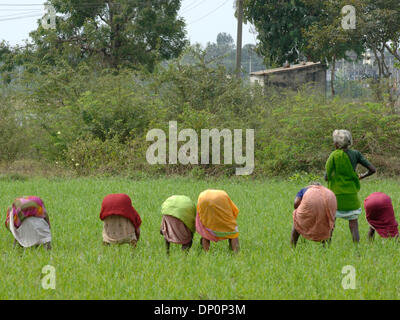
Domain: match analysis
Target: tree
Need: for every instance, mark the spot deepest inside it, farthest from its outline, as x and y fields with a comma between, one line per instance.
x=380, y=25
x=251, y=61
x=6, y=62
x=113, y=33
x=222, y=52
x=290, y=30
x=326, y=40
x=225, y=40
x=279, y=24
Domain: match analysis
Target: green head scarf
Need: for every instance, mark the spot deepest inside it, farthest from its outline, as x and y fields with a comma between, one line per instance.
x=181, y=207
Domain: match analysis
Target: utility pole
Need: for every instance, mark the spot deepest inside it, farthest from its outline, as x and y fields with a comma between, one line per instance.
x=250, y=62
x=239, y=5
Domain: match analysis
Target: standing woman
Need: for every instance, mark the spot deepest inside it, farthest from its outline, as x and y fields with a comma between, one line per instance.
x=344, y=181
x=216, y=219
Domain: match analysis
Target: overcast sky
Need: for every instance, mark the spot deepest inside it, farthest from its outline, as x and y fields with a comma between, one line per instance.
x=204, y=18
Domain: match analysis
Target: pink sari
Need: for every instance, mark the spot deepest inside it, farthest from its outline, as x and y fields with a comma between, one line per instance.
x=202, y=230
x=314, y=219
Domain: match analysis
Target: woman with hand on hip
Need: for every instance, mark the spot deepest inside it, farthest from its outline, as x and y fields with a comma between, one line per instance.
x=344, y=181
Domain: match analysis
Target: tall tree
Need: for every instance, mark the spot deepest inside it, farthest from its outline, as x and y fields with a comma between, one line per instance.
x=113, y=33
x=289, y=30
x=279, y=24
x=251, y=61
x=326, y=40
x=224, y=52
x=6, y=62
x=380, y=24
x=225, y=40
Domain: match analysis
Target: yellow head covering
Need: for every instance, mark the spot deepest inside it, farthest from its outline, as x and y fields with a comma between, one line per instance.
x=218, y=213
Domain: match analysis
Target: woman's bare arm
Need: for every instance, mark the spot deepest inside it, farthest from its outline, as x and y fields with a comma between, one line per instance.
x=294, y=236
x=371, y=171
x=297, y=202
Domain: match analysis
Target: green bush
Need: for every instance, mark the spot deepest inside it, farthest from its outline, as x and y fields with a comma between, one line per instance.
x=298, y=134
x=96, y=121
x=14, y=129
x=91, y=155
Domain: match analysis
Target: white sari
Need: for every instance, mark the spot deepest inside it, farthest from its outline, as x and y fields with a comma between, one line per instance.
x=33, y=231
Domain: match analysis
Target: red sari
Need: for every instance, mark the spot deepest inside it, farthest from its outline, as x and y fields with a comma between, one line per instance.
x=121, y=205
x=380, y=214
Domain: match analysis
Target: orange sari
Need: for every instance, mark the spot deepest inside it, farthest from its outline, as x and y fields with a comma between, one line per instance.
x=216, y=216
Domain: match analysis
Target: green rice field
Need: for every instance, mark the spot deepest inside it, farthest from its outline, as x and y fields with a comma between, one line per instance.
x=265, y=268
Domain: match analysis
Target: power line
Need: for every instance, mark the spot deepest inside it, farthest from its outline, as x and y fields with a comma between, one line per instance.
x=20, y=5
x=205, y=16
x=30, y=9
x=18, y=14
x=253, y=32
x=28, y=6
x=22, y=17
x=27, y=11
x=192, y=7
x=189, y=5
x=47, y=3
x=81, y=5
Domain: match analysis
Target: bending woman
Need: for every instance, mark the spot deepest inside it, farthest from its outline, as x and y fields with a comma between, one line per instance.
x=314, y=214
x=121, y=220
x=216, y=219
x=178, y=221
x=28, y=221
x=344, y=181
x=380, y=216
